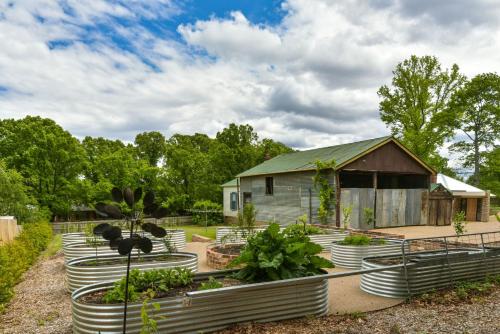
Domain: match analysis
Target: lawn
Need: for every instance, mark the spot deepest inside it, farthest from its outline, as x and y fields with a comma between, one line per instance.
x=201, y=230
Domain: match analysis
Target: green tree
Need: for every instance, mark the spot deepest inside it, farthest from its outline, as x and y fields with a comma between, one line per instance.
x=13, y=193
x=49, y=158
x=416, y=106
x=490, y=171
x=478, y=105
x=150, y=146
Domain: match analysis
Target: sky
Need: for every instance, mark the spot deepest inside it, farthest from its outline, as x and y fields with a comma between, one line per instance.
x=303, y=72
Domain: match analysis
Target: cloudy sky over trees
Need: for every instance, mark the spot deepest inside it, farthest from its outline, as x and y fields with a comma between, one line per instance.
x=299, y=71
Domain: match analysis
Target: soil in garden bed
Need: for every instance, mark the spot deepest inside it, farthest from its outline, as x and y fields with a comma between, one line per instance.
x=229, y=249
x=142, y=259
x=97, y=297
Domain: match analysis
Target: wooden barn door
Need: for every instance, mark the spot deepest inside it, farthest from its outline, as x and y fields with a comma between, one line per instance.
x=440, y=209
x=470, y=214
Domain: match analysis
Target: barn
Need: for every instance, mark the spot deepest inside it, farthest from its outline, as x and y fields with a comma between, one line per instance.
x=379, y=176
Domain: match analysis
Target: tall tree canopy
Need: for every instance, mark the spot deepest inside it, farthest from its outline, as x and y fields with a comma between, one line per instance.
x=150, y=146
x=477, y=106
x=49, y=158
x=416, y=106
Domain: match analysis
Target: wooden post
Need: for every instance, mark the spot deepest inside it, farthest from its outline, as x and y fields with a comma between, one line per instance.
x=375, y=184
x=337, y=199
x=310, y=206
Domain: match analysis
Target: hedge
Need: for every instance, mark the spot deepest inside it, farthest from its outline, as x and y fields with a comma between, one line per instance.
x=17, y=256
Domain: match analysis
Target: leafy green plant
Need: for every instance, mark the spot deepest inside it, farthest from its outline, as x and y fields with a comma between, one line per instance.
x=212, y=283
x=361, y=240
x=326, y=191
x=368, y=216
x=270, y=255
x=149, y=322
x=459, y=223
x=157, y=280
x=245, y=227
x=346, y=216
x=497, y=216
x=302, y=229
x=18, y=255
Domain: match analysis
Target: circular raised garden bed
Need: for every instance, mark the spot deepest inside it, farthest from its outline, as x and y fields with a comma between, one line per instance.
x=427, y=271
x=351, y=256
x=82, y=249
x=219, y=256
x=208, y=310
x=87, y=270
x=177, y=237
x=325, y=240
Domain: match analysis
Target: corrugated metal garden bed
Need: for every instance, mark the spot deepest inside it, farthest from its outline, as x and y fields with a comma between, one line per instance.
x=90, y=270
x=208, y=310
x=177, y=238
x=77, y=249
x=427, y=271
x=350, y=256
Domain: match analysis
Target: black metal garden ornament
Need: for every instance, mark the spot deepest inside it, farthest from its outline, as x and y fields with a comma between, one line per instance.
x=134, y=217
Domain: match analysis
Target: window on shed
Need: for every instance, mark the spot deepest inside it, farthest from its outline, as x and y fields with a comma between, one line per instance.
x=269, y=185
x=234, y=201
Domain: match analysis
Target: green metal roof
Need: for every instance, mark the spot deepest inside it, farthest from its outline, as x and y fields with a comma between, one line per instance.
x=305, y=160
x=232, y=183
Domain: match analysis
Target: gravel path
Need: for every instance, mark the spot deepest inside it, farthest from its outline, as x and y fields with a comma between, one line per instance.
x=41, y=303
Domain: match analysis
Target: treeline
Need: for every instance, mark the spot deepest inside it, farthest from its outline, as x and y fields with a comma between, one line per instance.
x=42, y=165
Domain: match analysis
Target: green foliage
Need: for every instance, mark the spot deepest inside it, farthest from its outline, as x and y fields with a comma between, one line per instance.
x=247, y=218
x=157, y=280
x=368, y=217
x=490, y=171
x=212, y=283
x=270, y=255
x=149, y=322
x=150, y=146
x=17, y=256
x=304, y=229
x=361, y=240
x=346, y=216
x=459, y=223
x=326, y=191
x=416, y=106
x=477, y=107
x=207, y=213
x=465, y=289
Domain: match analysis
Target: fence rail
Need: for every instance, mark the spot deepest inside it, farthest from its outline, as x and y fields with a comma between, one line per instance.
x=79, y=226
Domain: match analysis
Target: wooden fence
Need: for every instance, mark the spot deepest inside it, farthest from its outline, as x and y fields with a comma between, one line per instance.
x=79, y=226
x=8, y=229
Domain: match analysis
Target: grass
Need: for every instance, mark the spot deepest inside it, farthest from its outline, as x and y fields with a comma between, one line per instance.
x=54, y=246
x=195, y=229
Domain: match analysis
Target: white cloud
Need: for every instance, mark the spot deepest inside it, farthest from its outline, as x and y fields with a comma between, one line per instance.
x=309, y=81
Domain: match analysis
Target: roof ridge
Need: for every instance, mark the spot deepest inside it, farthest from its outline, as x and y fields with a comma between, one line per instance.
x=338, y=145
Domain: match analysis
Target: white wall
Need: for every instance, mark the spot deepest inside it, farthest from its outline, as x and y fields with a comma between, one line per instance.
x=227, y=202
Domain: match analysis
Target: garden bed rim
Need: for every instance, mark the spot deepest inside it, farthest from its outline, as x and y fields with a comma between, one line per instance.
x=75, y=295
x=77, y=260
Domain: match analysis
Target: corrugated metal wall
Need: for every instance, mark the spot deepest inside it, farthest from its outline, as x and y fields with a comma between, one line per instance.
x=290, y=199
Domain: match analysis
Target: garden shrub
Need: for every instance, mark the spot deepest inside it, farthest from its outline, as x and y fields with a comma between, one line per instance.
x=17, y=256
x=270, y=255
x=361, y=240
x=301, y=229
x=209, y=211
